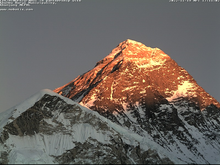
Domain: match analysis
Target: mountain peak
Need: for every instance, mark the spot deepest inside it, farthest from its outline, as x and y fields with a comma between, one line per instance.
x=140, y=54
x=150, y=110
x=132, y=73
x=129, y=41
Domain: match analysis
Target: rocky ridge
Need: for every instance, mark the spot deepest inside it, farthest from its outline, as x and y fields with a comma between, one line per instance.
x=137, y=106
x=145, y=91
x=58, y=130
x=133, y=71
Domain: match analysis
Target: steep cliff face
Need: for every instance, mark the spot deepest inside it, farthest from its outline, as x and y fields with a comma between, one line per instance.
x=132, y=73
x=49, y=128
x=54, y=129
x=145, y=91
x=135, y=106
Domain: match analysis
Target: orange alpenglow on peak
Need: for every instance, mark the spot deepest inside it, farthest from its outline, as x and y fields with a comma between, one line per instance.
x=137, y=52
x=134, y=73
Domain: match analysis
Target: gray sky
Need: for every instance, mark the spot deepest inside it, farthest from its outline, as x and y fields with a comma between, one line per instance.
x=50, y=46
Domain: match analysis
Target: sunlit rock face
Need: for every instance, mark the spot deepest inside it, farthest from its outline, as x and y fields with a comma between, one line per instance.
x=136, y=106
x=146, y=92
x=134, y=73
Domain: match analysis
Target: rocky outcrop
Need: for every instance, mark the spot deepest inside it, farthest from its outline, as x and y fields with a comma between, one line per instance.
x=69, y=133
x=115, y=153
x=133, y=71
x=137, y=106
x=144, y=90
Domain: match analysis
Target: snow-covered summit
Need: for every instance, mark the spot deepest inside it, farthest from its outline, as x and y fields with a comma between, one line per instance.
x=144, y=90
x=7, y=116
x=141, y=71
x=136, y=106
x=15, y=111
x=52, y=129
x=137, y=52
